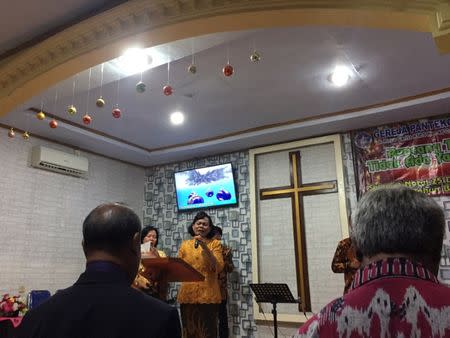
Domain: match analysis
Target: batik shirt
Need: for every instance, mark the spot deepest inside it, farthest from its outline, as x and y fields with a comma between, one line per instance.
x=227, y=268
x=343, y=257
x=207, y=291
x=389, y=298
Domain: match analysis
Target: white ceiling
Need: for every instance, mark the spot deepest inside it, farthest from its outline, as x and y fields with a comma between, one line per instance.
x=289, y=84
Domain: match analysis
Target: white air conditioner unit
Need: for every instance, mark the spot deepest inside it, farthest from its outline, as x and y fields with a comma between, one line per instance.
x=59, y=161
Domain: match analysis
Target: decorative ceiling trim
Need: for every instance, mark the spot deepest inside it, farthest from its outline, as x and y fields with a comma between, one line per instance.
x=151, y=22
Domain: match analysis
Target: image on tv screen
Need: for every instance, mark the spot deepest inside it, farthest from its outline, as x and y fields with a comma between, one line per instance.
x=205, y=187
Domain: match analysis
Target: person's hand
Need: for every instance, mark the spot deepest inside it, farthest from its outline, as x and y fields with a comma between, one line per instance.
x=141, y=283
x=201, y=241
x=152, y=253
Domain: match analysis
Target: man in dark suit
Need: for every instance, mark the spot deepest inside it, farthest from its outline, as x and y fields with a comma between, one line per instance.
x=102, y=304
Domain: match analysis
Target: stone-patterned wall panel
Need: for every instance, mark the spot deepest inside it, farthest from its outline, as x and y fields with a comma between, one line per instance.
x=160, y=210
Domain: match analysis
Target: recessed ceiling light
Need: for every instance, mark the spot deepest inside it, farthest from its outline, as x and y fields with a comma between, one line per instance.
x=134, y=60
x=340, y=76
x=177, y=118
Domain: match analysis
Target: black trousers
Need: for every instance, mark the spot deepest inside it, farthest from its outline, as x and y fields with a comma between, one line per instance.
x=223, y=320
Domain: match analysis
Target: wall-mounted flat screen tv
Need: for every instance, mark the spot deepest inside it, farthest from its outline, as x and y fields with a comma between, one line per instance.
x=205, y=187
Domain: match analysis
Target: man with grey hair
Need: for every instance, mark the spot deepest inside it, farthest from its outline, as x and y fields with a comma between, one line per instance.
x=398, y=234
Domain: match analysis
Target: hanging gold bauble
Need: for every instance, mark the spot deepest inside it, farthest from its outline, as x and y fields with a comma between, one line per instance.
x=255, y=57
x=40, y=115
x=72, y=110
x=100, y=102
x=25, y=135
x=11, y=133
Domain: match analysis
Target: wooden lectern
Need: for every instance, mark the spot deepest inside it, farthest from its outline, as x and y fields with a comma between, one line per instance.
x=172, y=269
x=169, y=269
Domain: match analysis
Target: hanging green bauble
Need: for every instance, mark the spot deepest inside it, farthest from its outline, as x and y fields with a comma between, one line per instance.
x=192, y=68
x=140, y=87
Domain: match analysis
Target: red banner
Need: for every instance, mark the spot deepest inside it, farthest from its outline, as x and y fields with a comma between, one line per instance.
x=416, y=154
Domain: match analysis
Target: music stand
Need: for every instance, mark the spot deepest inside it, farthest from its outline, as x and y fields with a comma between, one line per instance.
x=273, y=293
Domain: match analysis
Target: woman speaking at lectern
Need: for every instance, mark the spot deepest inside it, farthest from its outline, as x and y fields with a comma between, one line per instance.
x=199, y=301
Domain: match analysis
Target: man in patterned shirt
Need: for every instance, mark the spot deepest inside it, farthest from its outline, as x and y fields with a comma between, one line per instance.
x=228, y=267
x=399, y=234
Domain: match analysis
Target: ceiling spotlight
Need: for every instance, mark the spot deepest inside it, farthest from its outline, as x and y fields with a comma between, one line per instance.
x=177, y=118
x=340, y=76
x=134, y=60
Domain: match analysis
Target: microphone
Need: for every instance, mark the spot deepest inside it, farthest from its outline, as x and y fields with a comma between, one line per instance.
x=196, y=244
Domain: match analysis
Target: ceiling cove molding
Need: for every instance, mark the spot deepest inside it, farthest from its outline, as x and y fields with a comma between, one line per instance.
x=152, y=22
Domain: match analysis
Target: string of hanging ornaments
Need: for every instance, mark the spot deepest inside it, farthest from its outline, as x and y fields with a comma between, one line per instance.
x=53, y=123
x=116, y=113
x=227, y=70
x=71, y=109
x=87, y=118
x=167, y=89
x=192, y=68
x=101, y=101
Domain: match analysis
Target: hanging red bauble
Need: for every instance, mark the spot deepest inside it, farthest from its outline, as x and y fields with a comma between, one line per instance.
x=228, y=70
x=53, y=124
x=11, y=133
x=167, y=90
x=116, y=113
x=40, y=115
x=87, y=119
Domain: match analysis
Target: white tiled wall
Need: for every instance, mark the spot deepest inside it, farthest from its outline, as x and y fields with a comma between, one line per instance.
x=276, y=247
x=323, y=231
x=322, y=225
x=41, y=213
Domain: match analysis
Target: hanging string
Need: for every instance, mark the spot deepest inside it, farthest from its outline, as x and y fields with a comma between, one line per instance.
x=168, y=65
x=101, y=79
x=141, y=75
x=118, y=86
x=192, y=52
x=26, y=134
x=89, y=89
x=228, y=54
x=56, y=99
x=73, y=88
x=168, y=72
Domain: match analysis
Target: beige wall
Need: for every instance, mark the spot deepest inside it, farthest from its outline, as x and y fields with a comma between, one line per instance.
x=41, y=213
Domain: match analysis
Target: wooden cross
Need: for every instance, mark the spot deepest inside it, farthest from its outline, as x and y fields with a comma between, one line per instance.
x=296, y=191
